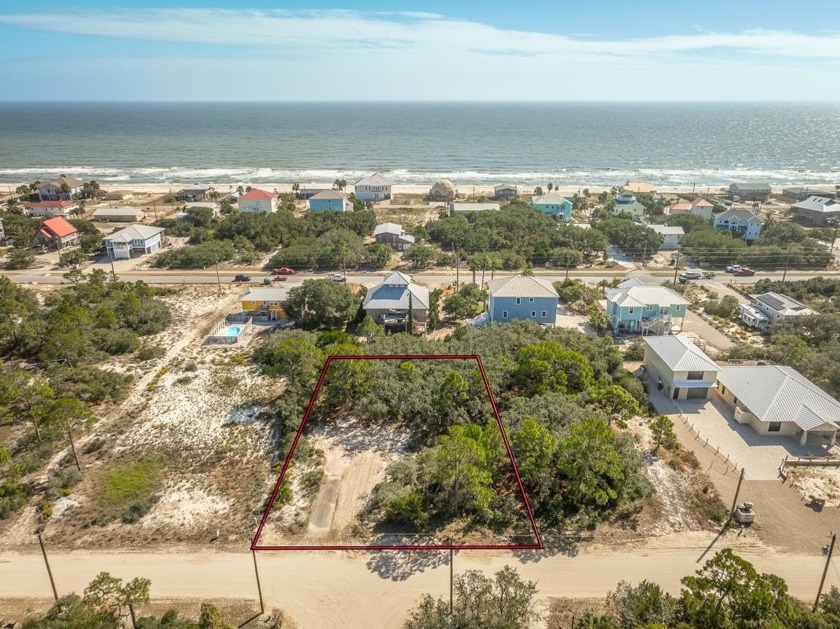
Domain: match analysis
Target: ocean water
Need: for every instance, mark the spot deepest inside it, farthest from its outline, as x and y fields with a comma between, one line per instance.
x=568, y=144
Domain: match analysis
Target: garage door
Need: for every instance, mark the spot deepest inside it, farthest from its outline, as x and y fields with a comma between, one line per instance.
x=697, y=394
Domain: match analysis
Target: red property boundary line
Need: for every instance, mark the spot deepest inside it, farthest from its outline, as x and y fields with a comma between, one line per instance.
x=538, y=545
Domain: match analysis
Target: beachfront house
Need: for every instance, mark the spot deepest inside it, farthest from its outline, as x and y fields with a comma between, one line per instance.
x=60, y=189
x=134, y=240
x=307, y=191
x=265, y=301
x=56, y=233
x=750, y=191
x=392, y=235
x=389, y=302
x=553, y=204
x=443, y=190
x=800, y=193
x=778, y=400
x=635, y=308
x=671, y=236
x=198, y=193
x=329, y=201
x=741, y=223
x=258, y=201
x=119, y=214
x=817, y=210
x=505, y=192
x=118, y=195
x=50, y=208
x=678, y=368
x=470, y=208
x=373, y=188
x=522, y=297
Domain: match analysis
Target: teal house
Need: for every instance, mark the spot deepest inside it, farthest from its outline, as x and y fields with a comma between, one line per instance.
x=635, y=308
x=554, y=204
x=522, y=297
x=329, y=201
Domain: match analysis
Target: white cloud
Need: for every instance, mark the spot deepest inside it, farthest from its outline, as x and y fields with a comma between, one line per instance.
x=332, y=30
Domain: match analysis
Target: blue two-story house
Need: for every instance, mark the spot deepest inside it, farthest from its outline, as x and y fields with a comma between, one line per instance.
x=329, y=200
x=522, y=297
x=635, y=308
x=554, y=204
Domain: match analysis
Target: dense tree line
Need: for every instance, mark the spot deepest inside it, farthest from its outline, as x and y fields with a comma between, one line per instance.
x=316, y=240
x=633, y=239
x=780, y=245
x=558, y=391
x=49, y=380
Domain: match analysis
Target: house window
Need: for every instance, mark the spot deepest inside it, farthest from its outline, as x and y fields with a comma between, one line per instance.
x=630, y=311
x=533, y=313
x=531, y=299
x=774, y=427
x=735, y=401
x=722, y=389
x=544, y=313
x=504, y=314
x=694, y=375
x=518, y=300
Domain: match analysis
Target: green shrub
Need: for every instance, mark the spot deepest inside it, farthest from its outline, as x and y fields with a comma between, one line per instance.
x=149, y=352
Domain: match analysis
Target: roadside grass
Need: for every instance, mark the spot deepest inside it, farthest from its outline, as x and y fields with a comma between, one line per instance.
x=126, y=491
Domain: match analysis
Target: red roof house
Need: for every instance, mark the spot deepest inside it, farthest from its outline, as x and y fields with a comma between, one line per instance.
x=258, y=201
x=56, y=233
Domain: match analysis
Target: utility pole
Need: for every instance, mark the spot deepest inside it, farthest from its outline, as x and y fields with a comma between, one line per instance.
x=787, y=264
x=218, y=279
x=825, y=569
x=47, y=563
x=457, y=265
x=676, y=267
x=73, y=448
x=154, y=207
x=111, y=260
x=452, y=581
x=737, y=491
x=259, y=587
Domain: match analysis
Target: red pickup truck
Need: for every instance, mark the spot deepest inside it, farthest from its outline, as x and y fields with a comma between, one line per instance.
x=283, y=270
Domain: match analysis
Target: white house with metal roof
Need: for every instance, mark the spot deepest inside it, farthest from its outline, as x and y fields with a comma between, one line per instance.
x=671, y=236
x=680, y=369
x=522, y=297
x=133, y=240
x=777, y=400
x=779, y=308
x=742, y=223
x=125, y=214
x=389, y=302
x=635, y=308
x=373, y=188
x=817, y=209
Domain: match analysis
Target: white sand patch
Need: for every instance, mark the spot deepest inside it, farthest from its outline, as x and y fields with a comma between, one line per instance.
x=64, y=504
x=818, y=482
x=185, y=505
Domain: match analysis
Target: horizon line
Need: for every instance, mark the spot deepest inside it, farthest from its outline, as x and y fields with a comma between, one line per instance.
x=425, y=101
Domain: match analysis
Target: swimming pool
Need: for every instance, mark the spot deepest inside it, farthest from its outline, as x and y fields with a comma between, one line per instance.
x=231, y=330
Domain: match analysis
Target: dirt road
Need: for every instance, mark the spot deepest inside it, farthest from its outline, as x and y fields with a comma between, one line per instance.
x=377, y=589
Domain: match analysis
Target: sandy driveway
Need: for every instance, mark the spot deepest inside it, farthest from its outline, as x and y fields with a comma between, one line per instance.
x=332, y=590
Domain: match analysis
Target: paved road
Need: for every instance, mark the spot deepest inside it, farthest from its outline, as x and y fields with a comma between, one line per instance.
x=156, y=276
x=376, y=589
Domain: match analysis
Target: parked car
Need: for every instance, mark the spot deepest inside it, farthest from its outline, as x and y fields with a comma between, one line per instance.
x=733, y=267
x=283, y=270
x=279, y=278
x=744, y=272
x=338, y=277
x=242, y=278
x=707, y=275
x=691, y=275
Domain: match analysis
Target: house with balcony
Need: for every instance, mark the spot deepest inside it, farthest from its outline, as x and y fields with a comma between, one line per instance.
x=131, y=241
x=505, y=192
x=198, y=193
x=680, y=369
x=741, y=223
x=635, y=308
x=393, y=235
x=817, y=210
x=60, y=189
x=554, y=204
x=750, y=191
x=265, y=301
x=258, y=202
x=50, y=208
x=56, y=233
x=373, y=188
x=522, y=297
x=671, y=236
x=329, y=201
x=389, y=302
x=626, y=203
x=778, y=308
x=778, y=400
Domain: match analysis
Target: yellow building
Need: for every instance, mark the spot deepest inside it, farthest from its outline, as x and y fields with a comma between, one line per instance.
x=267, y=300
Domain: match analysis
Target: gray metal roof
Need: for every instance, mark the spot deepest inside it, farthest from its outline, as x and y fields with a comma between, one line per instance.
x=633, y=281
x=783, y=304
x=521, y=286
x=775, y=393
x=640, y=296
x=550, y=198
x=473, y=207
x=680, y=354
x=817, y=203
x=268, y=293
x=632, y=207
x=393, y=292
x=388, y=228
x=373, y=180
x=134, y=232
x=739, y=216
x=751, y=187
x=328, y=194
x=668, y=230
x=117, y=211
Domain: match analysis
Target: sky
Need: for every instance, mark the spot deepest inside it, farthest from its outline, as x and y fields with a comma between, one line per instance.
x=531, y=50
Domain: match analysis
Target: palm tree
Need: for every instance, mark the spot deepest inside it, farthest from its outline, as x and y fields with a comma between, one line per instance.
x=550, y=187
x=295, y=188
x=340, y=184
